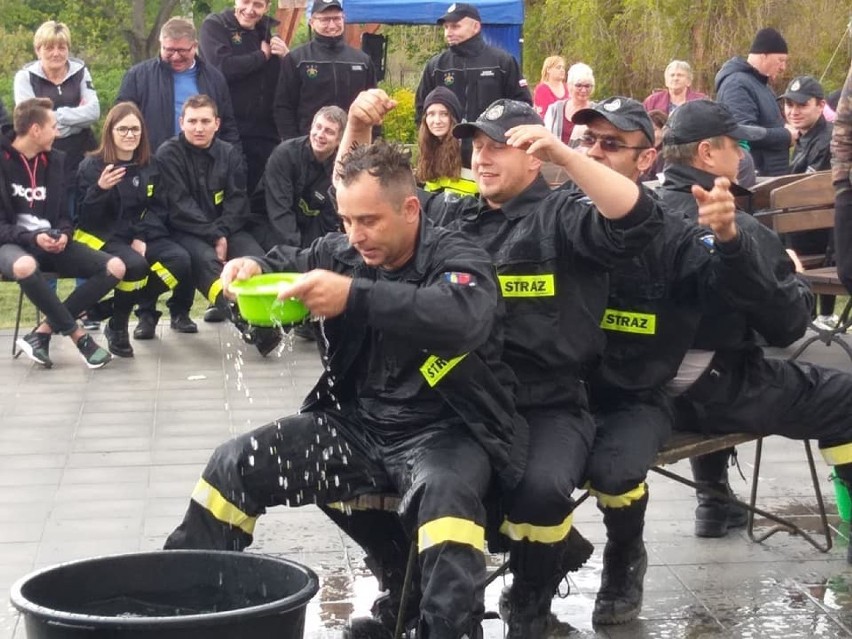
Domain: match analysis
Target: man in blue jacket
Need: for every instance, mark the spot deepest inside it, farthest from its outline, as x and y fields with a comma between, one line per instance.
x=742, y=85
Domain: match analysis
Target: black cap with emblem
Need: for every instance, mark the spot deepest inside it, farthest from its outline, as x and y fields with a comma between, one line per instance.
x=497, y=119
x=458, y=11
x=625, y=114
x=802, y=89
x=323, y=5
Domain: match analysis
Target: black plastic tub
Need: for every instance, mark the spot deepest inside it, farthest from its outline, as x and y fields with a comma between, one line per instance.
x=168, y=594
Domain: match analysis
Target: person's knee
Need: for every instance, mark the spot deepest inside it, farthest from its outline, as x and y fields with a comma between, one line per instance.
x=24, y=266
x=115, y=267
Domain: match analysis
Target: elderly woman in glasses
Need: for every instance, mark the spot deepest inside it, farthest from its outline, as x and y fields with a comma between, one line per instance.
x=581, y=85
x=67, y=82
x=115, y=185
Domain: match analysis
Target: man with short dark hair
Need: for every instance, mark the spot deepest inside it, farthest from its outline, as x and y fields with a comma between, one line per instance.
x=323, y=72
x=742, y=85
x=241, y=43
x=292, y=199
x=804, y=101
x=414, y=400
x=203, y=193
x=726, y=384
x=36, y=235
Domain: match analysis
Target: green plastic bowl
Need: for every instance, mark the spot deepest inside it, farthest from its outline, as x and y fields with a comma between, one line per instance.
x=257, y=299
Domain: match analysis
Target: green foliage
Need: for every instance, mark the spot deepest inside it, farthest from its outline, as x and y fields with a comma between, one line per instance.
x=399, y=124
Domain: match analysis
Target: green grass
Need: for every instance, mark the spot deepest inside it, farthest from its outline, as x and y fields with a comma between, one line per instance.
x=9, y=304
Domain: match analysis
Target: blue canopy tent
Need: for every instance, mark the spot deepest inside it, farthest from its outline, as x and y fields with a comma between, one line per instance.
x=501, y=19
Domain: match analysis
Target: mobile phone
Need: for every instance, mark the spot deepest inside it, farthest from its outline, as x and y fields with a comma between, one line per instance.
x=53, y=234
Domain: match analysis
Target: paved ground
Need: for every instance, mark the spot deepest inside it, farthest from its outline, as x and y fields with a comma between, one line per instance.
x=98, y=462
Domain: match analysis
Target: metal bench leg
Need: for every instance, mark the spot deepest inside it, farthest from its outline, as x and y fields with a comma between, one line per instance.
x=786, y=524
x=16, y=352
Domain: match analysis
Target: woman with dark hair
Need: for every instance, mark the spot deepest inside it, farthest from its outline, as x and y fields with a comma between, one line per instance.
x=439, y=163
x=114, y=186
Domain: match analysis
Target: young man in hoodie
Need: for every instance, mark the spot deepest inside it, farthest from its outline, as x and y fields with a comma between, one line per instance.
x=742, y=85
x=324, y=72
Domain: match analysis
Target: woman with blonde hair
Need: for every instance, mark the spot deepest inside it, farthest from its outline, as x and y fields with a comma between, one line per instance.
x=581, y=85
x=439, y=163
x=552, y=86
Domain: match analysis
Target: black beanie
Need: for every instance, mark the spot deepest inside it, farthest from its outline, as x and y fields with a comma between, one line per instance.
x=768, y=40
x=443, y=95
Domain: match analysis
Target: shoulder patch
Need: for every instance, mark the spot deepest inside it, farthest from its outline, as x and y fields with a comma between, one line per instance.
x=464, y=279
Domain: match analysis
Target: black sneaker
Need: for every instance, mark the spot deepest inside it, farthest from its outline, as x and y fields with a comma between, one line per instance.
x=214, y=315
x=92, y=354
x=90, y=324
x=183, y=324
x=36, y=346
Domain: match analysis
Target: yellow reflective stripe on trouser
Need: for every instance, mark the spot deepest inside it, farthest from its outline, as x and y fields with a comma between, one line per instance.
x=214, y=290
x=135, y=285
x=206, y=496
x=837, y=455
x=620, y=501
x=92, y=241
x=455, y=529
x=164, y=274
x=540, y=534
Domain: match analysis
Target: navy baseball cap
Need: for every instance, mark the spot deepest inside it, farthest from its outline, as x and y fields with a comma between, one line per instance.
x=323, y=5
x=498, y=118
x=802, y=89
x=702, y=119
x=625, y=114
x=459, y=10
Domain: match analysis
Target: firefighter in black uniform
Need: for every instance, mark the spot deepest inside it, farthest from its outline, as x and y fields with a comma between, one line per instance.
x=552, y=252
x=419, y=403
x=654, y=307
x=204, y=194
x=325, y=71
x=726, y=384
x=477, y=73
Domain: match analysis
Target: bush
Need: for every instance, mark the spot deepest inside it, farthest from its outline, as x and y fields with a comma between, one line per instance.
x=399, y=124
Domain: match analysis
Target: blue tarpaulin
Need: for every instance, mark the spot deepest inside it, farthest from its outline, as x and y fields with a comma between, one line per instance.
x=501, y=19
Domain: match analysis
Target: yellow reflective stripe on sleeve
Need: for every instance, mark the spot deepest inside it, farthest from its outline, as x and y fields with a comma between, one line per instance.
x=620, y=501
x=540, y=534
x=218, y=197
x=92, y=241
x=214, y=290
x=628, y=322
x=150, y=190
x=164, y=274
x=435, y=368
x=528, y=285
x=135, y=285
x=454, y=529
x=837, y=455
x=460, y=186
x=206, y=496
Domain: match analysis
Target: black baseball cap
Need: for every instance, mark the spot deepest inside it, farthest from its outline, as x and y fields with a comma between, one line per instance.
x=802, y=89
x=459, y=10
x=322, y=5
x=625, y=114
x=498, y=118
x=702, y=119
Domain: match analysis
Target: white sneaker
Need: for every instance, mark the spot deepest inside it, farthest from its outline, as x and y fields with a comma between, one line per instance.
x=826, y=322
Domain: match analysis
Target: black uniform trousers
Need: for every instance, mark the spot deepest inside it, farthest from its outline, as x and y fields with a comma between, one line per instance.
x=441, y=472
x=165, y=266
x=206, y=267
x=539, y=510
x=631, y=431
x=743, y=391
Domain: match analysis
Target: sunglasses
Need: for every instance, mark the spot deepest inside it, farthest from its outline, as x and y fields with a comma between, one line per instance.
x=608, y=145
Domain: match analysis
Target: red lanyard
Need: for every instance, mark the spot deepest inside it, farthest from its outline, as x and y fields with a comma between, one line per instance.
x=32, y=173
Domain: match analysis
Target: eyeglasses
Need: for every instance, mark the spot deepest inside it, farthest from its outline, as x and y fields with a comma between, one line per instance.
x=127, y=131
x=169, y=51
x=608, y=145
x=583, y=85
x=328, y=19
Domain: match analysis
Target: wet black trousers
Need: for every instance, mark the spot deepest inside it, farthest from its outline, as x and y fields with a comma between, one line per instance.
x=442, y=474
x=747, y=392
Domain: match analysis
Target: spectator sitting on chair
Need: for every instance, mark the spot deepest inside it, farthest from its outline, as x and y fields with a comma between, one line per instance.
x=35, y=236
x=114, y=187
x=726, y=384
x=678, y=75
x=203, y=191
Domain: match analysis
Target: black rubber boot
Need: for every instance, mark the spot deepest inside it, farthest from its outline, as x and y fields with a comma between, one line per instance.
x=147, y=326
x=713, y=515
x=625, y=561
x=528, y=610
x=118, y=339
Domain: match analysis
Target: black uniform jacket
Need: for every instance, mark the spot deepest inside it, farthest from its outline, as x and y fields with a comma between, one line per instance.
x=443, y=309
x=783, y=317
x=553, y=252
x=56, y=208
x=477, y=73
x=323, y=72
x=813, y=150
x=657, y=298
x=293, y=194
x=120, y=213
